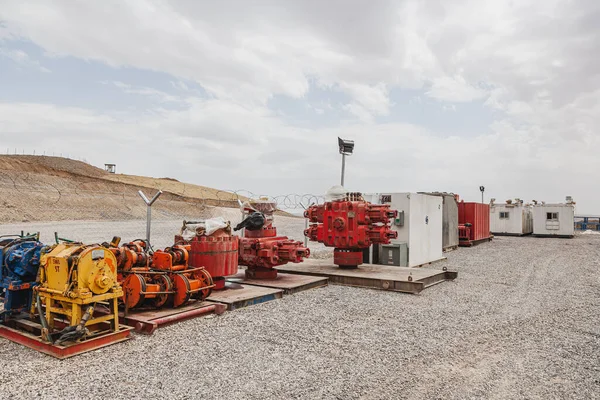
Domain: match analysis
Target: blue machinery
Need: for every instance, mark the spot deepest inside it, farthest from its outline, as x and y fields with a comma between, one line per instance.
x=584, y=223
x=20, y=261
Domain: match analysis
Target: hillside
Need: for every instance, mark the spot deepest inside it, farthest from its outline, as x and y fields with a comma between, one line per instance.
x=44, y=188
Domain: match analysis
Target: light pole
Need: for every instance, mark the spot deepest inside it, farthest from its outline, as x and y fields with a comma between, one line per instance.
x=482, y=189
x=346, y=148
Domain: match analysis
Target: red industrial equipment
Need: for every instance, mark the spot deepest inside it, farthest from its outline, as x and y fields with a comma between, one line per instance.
x=188, y=282
x=261, y=250
x=350, y=225
x=141, y=286
x=473, y=223
x=217, y=252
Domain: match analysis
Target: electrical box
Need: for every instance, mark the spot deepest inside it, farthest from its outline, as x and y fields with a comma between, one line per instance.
x=419, y=227
x=394, y=254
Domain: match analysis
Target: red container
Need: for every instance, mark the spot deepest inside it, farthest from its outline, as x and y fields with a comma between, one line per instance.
x=217, y=254
x=478, y=215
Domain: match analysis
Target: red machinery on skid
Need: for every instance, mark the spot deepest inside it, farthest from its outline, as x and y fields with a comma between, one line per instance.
x=350, y=225
x=141, y=285
x=473, y=223
x=217, y=253
x=188, y=283
x=261, y=250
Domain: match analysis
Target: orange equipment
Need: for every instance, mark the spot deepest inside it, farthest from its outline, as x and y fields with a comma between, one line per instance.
x=187, y=282
x=142, y=287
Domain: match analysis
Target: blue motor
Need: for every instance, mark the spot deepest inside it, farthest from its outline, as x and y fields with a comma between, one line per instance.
x=20, y=261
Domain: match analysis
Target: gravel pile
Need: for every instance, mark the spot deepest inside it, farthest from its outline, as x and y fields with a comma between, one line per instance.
x=521, y=321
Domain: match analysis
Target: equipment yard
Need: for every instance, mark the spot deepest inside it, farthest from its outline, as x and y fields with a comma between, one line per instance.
x=520, y=321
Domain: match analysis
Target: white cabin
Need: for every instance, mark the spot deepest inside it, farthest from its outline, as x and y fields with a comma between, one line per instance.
x=511, y=219
x=556, y=220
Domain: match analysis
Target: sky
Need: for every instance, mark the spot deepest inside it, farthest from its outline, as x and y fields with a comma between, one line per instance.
x=238, y=95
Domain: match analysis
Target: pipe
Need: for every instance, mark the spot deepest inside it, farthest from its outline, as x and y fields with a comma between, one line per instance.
x=46, y=329
x=185, y=315
x=343, y=167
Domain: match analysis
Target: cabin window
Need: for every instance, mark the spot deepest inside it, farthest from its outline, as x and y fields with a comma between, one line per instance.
x=504, y=214
x=552, y=216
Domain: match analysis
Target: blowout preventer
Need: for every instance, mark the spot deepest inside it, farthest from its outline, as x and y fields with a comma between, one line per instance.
x=261, y=250
x=188, y=282
x=350, y=224
x=142, y=287
x=74, y=278
x=20, y=260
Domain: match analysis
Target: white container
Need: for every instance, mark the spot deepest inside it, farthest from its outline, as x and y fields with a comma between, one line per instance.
x=419, y=225
x=556, y=220
x=511, y=219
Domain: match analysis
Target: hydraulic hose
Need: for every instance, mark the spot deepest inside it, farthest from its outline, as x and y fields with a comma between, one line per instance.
x=43, y=318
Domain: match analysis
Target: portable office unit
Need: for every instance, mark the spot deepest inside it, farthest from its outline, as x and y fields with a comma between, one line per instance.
x=511, y=219
x=419, y=227
x=554, y=220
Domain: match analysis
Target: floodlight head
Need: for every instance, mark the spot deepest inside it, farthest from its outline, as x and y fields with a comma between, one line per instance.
x=346, y=146
x=481, y=188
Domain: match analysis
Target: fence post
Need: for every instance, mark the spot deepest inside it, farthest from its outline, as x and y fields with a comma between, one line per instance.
x=305, y=228
x=149, y=211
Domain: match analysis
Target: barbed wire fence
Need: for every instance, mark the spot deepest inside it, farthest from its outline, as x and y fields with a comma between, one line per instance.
x=92, y=210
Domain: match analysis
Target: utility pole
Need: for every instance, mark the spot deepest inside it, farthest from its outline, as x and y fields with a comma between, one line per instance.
x=346, y=148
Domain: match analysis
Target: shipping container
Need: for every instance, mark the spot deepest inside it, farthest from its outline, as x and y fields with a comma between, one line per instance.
x=449, y=219
x=511, y=219
x=419, y=227
x=474, y=223
x=554, y=220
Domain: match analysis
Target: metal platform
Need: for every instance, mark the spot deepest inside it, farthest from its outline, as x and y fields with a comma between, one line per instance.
x=510, y=234
x=471, y=243
x=554, y=236
x=28, y=333
x=147, y=321
x=398, y=279
x=289, y=283
x=236, y=296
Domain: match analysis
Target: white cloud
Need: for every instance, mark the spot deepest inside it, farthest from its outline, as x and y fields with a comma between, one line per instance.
x=454, y=89
x=22, y=58
x=146, y=91
x=535, y=65
x=368, y=100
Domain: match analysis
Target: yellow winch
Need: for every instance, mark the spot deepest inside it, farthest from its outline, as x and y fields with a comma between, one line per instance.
x=75, y=278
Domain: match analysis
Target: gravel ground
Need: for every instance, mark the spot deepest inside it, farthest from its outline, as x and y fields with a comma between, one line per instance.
x=521, y=321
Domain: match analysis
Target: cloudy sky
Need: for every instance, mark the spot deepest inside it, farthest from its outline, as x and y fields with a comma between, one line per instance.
x=438, y=95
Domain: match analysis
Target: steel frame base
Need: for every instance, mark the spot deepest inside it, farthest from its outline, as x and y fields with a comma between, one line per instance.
x=471, y=243
x=147, y=321
x=236, y=296
x=31, y=339
x=510, y=234
x=554, y=236
x=383, y=277
x=289, y=283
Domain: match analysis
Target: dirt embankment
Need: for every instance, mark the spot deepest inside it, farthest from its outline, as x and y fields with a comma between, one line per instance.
x=43, y=188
